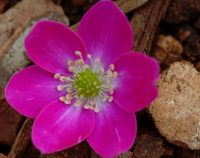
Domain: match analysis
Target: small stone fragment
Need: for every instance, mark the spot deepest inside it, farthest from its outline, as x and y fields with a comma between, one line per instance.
x=167, y=49
x=184, y=33
x=176, y=112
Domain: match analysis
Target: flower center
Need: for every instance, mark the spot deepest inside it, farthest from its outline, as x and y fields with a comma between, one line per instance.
x=87, y=83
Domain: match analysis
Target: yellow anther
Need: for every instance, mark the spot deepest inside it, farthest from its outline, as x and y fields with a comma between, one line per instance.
x=112, y=67
x=89, y=56
x=67, y=101
x=96, y=109
x=111, y=91
x=77, y=103
x=71, y=69
x=78, y=53
x=57, y=76
x=62, y=99
x=110, y=98
x=60, y=87
x=104, y=98
x=69, y=96
x=115, y=74
x=86, y=106
x=69, y=90
x=70, y=62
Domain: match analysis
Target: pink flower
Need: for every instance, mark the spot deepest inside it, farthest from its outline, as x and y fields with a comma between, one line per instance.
x=85, y=85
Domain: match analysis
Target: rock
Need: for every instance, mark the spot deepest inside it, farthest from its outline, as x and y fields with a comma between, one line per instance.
x=176, y=112
x=9, y=122
x=167, y=49
x=14, y=26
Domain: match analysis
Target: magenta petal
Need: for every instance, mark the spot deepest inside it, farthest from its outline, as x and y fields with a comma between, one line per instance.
x=114, y=131
x=51, y=44
x=106, y=31
x=136, y=83
x=60, y=126
x=30, y=89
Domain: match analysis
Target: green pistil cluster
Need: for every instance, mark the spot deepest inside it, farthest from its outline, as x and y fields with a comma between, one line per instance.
x=87, y=83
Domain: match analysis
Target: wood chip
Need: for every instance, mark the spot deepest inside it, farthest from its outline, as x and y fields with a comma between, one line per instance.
x=130, y=5
x=145, y=21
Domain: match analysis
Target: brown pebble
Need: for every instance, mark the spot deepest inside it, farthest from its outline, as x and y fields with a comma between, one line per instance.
x=167, y=49
x=184, y=34
x=176, y=112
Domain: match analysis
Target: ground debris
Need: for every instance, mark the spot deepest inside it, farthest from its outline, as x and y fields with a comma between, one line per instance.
x=182, y=11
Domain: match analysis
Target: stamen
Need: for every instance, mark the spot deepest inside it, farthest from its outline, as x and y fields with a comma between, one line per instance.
x=61, y=87
x=78, y=102
x=96, y=109
x=110, y=98
x=90, y=57
x=112, y=67
x=57, y=76
x=70, y=62
x=88, y=83
x=78, y=53
x=115, y=74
